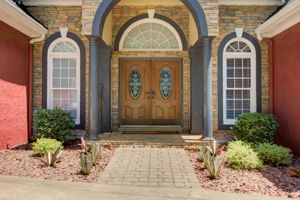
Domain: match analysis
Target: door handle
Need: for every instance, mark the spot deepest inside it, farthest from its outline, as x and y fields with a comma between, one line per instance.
x=151, y=92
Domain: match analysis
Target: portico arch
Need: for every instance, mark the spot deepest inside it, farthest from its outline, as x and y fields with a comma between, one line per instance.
x=100, y=84
x=107, y=5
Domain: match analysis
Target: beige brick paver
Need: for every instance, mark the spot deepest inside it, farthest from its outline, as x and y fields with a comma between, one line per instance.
x=150, y=167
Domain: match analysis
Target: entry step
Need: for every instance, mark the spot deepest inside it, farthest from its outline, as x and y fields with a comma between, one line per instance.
x=148, y=128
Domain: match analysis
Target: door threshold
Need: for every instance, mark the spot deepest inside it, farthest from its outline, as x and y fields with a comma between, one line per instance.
x=150, y=128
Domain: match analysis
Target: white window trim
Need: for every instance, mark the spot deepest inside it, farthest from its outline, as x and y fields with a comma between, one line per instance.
x=151, y=20
x=252, y=56
x=51, y=56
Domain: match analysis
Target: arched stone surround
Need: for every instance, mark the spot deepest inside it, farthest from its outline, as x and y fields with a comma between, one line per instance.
x=100, y=70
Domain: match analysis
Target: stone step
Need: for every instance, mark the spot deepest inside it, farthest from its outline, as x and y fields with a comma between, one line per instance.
x=152, y=145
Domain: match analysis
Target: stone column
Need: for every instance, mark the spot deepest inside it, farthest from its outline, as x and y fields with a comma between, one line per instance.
x=195, y=53
x=201, y=88
x=94, y=116
x=207, y=88
x=105, y=53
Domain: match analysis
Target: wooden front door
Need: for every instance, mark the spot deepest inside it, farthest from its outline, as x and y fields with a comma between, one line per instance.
x=150, y=92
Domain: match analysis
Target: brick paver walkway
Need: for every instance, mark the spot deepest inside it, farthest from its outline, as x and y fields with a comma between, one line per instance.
x=149, y=167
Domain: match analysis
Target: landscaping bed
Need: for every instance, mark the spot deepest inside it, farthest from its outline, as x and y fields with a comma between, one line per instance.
x=21, y=161
x=272, y=181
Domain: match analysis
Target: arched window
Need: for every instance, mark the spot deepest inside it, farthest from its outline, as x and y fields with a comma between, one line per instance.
x=150, y=34
x=63, y=76
x=239, y=79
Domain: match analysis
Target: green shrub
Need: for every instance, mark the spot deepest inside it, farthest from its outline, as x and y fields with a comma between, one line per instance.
x=240, y=155
x=273, y=154
x=42, y=144
x=255, y=127
x=55, y=124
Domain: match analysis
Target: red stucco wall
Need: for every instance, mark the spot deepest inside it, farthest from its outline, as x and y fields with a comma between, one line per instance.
x=287, y=87
x=13, y=87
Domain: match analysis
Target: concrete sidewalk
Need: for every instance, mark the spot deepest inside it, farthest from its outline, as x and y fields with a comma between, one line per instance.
x=17, y=188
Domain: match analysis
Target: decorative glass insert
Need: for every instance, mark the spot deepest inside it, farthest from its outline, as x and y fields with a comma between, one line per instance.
x=64, y=46
x=238, y=47
x=135, y=84
x=166, y=84
x=151, y=36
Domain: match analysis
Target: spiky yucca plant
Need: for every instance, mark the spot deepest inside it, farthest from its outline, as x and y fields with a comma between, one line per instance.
x=95, y=153
x=52, y=158
x=85, y=164
x=210, y=155
x=202, y=152
x=86, y=147
x=213, y=164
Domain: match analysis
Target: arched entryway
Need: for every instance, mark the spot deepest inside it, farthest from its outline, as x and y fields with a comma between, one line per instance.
x=100, y=68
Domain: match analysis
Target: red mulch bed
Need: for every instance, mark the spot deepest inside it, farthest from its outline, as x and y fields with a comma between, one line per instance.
x=273, y=181
x=21, y=161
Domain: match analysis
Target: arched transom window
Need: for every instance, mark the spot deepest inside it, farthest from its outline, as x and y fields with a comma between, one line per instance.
x=150, y=35
x=64, y=76
x=239, y=79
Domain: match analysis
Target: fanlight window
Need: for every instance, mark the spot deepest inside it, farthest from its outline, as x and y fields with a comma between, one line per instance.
x=64, y=46
x=238, y=46
x=150, y=35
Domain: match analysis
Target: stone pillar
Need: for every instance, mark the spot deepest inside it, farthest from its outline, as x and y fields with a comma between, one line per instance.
x=201, y=88
x=105, y=53
x=196, y=88
x=207, y=88
x=94, y=116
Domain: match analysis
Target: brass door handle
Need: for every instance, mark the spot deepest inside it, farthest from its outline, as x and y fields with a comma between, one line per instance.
x=152, y=92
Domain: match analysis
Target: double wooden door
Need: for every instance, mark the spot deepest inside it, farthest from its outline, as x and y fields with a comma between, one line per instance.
x=150, y=92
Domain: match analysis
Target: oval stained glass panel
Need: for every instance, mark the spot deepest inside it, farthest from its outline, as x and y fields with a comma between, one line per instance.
x=135, y=84
x=166, y=84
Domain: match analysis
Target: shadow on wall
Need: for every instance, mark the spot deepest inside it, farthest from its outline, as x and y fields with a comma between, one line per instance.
x=14, y=54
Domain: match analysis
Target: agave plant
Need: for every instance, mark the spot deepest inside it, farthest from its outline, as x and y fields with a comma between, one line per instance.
x=213, y=165
x=95, y=153
x=202, y=152
x=214, y=148
x=85, y=164
x=52, y=158
x=84, y=145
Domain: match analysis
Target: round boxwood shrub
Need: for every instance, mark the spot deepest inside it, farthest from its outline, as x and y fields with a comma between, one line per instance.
x=240, y=155
x=273, y=154
x=53, y=123
x=50, y=145
x=255, y=127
